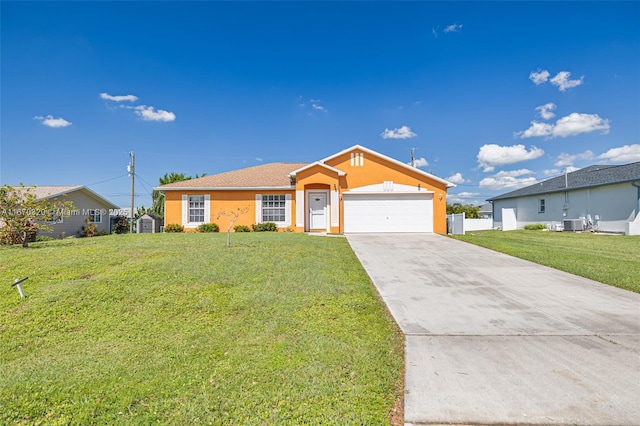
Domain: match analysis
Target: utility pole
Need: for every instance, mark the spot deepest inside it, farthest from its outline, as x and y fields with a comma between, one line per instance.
x=132, y=173
x=412, y=157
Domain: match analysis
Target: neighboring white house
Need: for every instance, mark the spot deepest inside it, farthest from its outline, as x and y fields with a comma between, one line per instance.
x=606, y=198
x=88, y=205
x=486, y=211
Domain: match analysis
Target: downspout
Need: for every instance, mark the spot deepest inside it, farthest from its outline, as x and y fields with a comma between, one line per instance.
x=637, y=185
x=493, y=214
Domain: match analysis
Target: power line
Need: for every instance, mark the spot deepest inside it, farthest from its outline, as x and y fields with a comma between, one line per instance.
x=106, y=180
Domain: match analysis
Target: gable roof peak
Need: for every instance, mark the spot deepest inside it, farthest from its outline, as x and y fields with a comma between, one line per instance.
x=389, y=159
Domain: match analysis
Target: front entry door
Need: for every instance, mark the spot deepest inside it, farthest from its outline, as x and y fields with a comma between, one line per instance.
x=317, y=210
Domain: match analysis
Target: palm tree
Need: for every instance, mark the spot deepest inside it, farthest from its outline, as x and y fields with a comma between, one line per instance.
x=158, y=196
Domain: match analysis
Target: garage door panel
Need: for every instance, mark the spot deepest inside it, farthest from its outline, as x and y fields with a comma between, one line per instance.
x=388, y=213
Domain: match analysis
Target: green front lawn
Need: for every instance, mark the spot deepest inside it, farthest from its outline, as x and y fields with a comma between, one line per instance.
x=610, y=259
x=178, y=329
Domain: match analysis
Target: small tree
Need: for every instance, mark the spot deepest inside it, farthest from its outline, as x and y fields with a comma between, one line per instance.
x=233, y=216
x=470, y=211
x=22, y=214
x=121, y=225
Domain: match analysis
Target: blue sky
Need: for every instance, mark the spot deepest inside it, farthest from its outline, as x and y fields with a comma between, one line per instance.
x=492, y=96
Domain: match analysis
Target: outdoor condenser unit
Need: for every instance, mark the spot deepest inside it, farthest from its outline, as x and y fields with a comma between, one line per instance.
x=573, y=225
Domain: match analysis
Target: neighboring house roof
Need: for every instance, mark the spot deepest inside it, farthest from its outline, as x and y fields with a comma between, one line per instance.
x=486, y=208
x=276, y=175
x=51, y=191
x=273, y=175
x=584, y=178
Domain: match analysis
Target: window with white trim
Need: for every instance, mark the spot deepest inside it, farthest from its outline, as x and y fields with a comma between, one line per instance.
x=541, y=205
x=196, y=208
x=274, y=208
x=95, y=216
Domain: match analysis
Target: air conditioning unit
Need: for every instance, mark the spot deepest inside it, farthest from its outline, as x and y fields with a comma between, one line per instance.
x=573, y=225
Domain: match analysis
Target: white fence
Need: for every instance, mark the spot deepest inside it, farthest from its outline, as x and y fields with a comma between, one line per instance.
x=458, y=224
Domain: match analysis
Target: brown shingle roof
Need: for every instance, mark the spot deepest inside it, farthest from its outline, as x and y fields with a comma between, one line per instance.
x=266, y=175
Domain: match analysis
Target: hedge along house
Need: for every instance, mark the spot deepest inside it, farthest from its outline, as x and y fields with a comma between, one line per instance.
x=605, y=197
x=355, y=190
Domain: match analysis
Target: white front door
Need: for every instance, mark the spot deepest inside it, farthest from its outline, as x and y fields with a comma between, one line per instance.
x=317, y=210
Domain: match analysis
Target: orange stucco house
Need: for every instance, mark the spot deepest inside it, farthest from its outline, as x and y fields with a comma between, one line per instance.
x=355, y=190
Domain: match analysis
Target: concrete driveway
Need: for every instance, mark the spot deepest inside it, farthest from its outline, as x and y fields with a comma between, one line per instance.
x=492, y=339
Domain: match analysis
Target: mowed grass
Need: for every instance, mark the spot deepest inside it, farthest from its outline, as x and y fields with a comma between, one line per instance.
x=610, y=259
x=178, y=329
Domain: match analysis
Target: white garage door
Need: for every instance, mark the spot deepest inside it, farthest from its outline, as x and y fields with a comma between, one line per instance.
x=388, y=212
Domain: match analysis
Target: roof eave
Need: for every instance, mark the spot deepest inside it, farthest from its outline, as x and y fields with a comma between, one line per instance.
x=317, y=163
x=553, y=191
x=222, y=188
x=91, y=193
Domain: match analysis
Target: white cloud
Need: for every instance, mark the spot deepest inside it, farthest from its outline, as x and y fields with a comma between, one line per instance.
x=536, y=130
x=506, y=182
x=546, y=110
x=622, y=154
x=467, y=194
x=311, y=105
x=565, y=159
x=492, y=155
x=149, y=113
x=465, y=198
x=403, y=132
x=118, y=98
x=420, y=162
x=570, y=125
x=456, y=178
x=551, y=172
x=453, y=28
x=575, y=123
x=49, y=121
x=539, y=77
x=563, y=82
x=571, y=169
x=513, y=173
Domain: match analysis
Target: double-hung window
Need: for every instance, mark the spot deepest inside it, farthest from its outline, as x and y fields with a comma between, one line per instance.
x=95, y=216
x=196, y=208
x=541, y=205
x=273, y=208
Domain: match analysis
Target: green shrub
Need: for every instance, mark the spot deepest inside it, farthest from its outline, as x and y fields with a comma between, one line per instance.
x=241, y=228
x=88, y=229
x=41, y=238
x=208, y=227
x=535, y=227
x=264, y=227
x=121, y=225
x=173, y=227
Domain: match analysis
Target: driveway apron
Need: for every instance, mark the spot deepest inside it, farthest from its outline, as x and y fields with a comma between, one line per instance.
x=492, y=339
